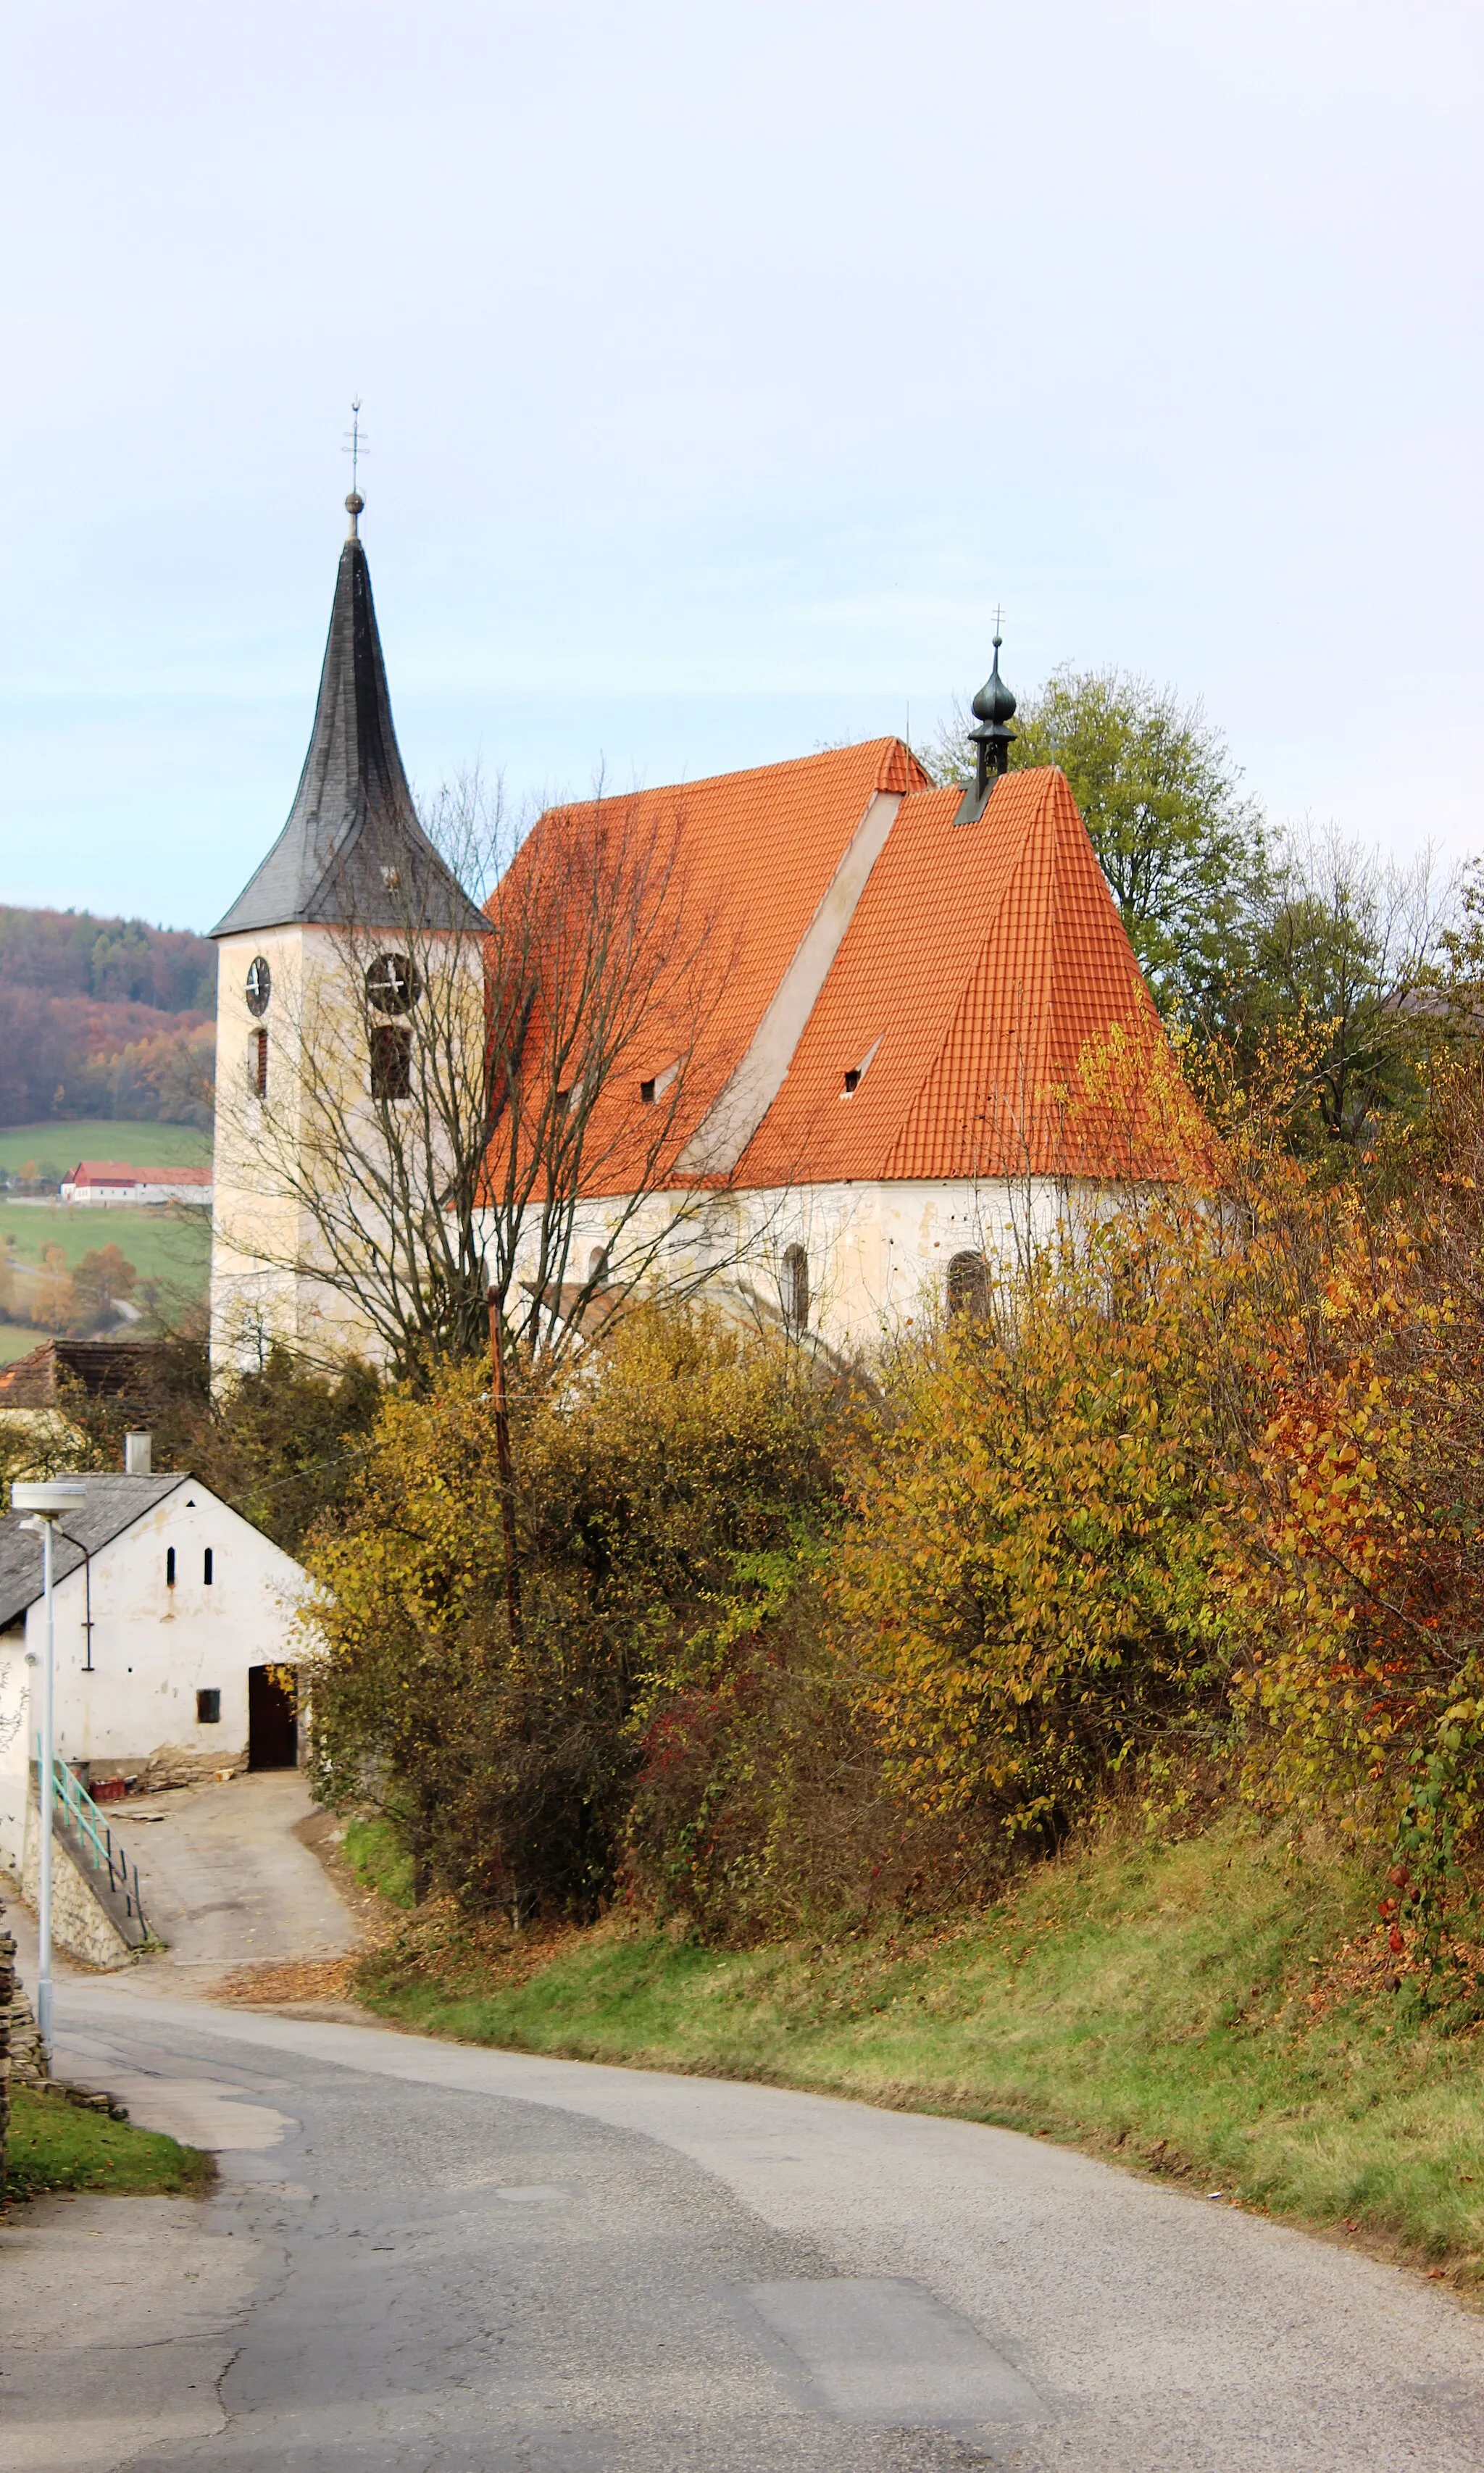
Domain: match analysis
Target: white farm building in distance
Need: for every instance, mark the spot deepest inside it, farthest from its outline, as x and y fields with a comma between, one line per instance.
x=103, y=1181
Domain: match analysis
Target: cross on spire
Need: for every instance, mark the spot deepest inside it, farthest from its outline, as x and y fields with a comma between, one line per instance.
x=355, y=449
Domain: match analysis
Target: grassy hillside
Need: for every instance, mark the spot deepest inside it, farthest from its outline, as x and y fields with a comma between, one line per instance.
x=63, y=1141
x=1216, y=2009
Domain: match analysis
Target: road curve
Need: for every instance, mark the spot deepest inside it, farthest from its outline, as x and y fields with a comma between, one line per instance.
x=443, y=2259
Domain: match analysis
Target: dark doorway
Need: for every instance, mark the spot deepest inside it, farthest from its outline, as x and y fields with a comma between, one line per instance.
x=272, y=1722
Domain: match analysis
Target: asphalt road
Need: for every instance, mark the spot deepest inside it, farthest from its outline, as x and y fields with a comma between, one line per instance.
x=439, y=2260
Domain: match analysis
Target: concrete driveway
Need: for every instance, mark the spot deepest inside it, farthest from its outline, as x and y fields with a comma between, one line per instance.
x=424, y=2256
x=226, y=1882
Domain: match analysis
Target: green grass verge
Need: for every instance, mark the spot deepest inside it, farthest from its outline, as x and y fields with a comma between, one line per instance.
x=378, y=1861
x=1215, y=2009
x=60, y=2145
x=61, y=1141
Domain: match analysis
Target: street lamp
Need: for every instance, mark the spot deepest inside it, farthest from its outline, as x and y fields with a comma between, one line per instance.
x=48, y=1500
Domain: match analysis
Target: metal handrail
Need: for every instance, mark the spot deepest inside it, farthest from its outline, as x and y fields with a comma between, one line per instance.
x=78, y=1808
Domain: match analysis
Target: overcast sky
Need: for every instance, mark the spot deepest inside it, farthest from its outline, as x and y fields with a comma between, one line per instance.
x=723, y=367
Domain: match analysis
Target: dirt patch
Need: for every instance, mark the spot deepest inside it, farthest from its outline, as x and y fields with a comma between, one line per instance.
x=274, y=1982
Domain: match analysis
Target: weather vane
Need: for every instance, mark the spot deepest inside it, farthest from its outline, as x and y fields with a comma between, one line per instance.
x=357, y=447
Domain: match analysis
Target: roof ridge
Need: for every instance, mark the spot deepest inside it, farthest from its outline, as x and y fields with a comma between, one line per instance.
x=820, y=756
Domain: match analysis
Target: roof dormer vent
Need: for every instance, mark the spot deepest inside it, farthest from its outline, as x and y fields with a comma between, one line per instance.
x=992, y=739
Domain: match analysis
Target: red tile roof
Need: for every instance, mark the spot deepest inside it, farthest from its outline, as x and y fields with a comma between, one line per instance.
x=754, y=855
x=984, y=989
x=119, y=1173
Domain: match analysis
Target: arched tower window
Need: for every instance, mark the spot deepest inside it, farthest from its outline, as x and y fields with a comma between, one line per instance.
x=796, y=1288
x=391, y=1060
x=597, y=1263
x=969, y=1284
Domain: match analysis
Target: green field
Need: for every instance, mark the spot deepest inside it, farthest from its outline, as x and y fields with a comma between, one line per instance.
x=60, y=1144
x=171, y=1245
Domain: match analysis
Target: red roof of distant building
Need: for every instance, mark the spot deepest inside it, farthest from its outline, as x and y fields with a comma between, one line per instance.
x=120, y=1172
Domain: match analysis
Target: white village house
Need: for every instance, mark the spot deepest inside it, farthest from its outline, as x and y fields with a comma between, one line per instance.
x=172, y=1613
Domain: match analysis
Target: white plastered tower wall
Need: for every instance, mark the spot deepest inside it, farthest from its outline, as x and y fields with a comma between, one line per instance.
x=258, y=1233
x=315, y=1118
x=132, y=1650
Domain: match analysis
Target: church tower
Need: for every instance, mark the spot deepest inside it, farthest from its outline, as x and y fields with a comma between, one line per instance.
x=318, y=1005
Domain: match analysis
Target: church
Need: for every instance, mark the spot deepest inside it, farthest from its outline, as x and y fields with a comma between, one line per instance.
x=929, y=1046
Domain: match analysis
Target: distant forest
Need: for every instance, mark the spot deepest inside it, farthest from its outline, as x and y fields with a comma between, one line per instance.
x=104, y=1017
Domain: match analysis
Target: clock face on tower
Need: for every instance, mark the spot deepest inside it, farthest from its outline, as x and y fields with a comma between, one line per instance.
x=392, y=984
x=260, y=985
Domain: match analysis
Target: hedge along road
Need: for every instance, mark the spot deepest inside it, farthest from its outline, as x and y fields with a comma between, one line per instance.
x=423, y=2255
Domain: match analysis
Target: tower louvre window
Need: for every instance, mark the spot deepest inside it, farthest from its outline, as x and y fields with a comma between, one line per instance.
x=206, y=1564
x=391, y=1060
x=257, y=1062
x=170, y=1566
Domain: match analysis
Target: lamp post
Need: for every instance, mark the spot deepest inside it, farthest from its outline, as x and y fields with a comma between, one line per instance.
x=48, y=1501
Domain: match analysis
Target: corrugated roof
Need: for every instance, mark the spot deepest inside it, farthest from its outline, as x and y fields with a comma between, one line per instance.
x=106, y=1368
x=111, y=1504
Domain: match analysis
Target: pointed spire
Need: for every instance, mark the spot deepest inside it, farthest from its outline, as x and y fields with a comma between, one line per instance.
x=352, y=853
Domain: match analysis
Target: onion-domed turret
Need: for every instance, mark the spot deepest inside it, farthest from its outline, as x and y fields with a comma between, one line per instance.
x=993, y=738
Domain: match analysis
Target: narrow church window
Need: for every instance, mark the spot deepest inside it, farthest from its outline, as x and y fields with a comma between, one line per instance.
x=206, y=1568
x=170, y=1566
x=391, y=1062
x=257, y=1058
x=969, y=1284
x=796, y=1288
x=209, y=1708
x=597, y=1263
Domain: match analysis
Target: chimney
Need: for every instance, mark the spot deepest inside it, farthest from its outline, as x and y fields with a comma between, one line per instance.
x=137, y=1456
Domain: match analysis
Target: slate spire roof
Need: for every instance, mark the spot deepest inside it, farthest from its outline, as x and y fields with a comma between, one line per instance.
x=352, y=853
